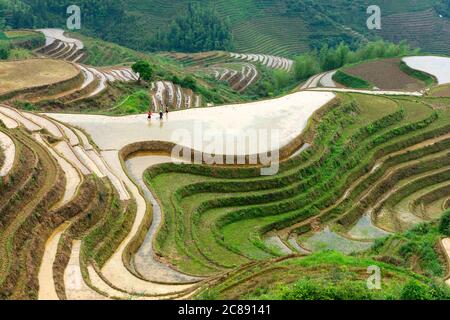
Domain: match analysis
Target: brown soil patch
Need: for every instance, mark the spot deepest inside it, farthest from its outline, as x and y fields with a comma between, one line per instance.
x=19, y=75
x=386, y=75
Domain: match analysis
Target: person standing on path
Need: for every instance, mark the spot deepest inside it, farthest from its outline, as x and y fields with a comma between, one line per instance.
x=161, y=114
x=150, y=115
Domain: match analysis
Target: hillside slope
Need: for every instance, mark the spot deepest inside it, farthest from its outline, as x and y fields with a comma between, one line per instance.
x=289, y=27
x=277, y=27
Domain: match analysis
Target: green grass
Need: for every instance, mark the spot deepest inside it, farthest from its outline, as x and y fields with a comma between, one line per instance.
x=351, y=81
x=135, y=103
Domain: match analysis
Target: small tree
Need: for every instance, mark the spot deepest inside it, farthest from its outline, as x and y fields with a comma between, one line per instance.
x=144, y=69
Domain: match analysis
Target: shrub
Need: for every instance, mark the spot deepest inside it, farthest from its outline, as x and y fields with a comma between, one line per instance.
x=415, y=290
x=444, y=225
x=313, y=290
x=351, y=81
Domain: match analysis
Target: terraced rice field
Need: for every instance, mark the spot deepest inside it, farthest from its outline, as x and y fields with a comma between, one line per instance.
x=95, y=207
x=421, y=28
x=224, y=216
x=289, y=114
x=55, y=79
x=223, y=230
x=169, y=96
x=436, y=66
x=386, y=75
x=59, y=46
x=240, y=71
x=238, y=76
x=272, y=62
x=34, y=73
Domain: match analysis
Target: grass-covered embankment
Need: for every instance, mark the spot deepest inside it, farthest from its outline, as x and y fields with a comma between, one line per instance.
x=350, y=81
x=428, y=79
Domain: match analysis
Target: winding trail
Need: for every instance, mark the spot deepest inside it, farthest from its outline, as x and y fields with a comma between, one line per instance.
x=327, y=79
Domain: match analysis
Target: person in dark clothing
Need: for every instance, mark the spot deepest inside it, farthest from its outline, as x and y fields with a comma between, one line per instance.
x=161, y=114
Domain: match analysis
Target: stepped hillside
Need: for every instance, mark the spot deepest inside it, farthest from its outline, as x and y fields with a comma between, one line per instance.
x=289, y=27
x=230, y=173
x=93, y=206
x=275, y=27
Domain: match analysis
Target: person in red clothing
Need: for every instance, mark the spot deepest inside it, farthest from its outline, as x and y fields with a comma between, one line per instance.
x=150, y=114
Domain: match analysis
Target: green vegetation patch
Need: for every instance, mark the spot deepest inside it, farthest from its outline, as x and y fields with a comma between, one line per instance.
x=135, y=103
x=351, y=81
x=324, y=276
x=416, y=249
x=420, y=75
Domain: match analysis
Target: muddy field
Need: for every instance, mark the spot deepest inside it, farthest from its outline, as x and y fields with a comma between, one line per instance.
x=386, y=75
